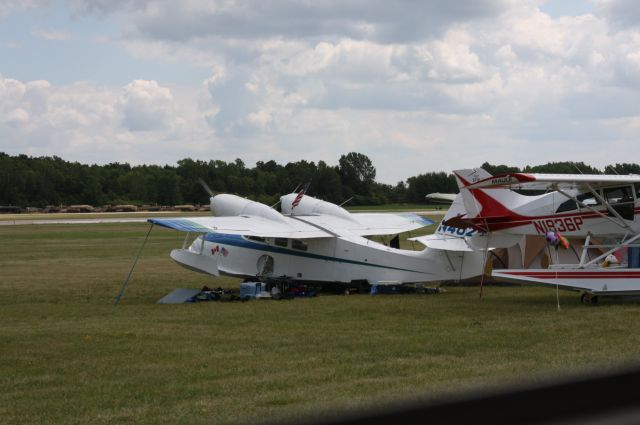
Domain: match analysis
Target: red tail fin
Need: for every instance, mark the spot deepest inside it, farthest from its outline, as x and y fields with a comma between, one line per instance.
x=479, y=204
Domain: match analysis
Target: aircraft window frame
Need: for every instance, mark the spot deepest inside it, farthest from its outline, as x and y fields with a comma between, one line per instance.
x=256, y=239
x=588, y=196
x=572, y=205
x=624, y=204
x=283, y=242
x=626, y=192
x=299, y=245
x=566, y=206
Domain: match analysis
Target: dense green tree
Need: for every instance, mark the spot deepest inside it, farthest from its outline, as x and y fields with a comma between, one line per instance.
x=622, y=169
x=327, y=184
x=423, y=184
x=41, y=181
x=358, y=174
x=499, y=169
x=562, y=168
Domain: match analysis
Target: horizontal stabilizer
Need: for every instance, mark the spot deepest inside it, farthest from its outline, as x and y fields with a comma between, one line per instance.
x=458, y=222
x=443, y=242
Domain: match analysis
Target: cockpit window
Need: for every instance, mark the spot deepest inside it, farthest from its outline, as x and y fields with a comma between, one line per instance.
x=568, y=205
x=621, y=201
x=617, y=195
x=281, y=241
x=298, y=244
x=586, y=199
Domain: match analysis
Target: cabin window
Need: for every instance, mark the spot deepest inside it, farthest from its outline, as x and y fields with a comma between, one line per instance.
x=298, y=244
x=584, y=199
x=281, y=241
x=256, y=238
x=588, y=199
x=621, y=200
x=569, y=205
x=616, y=195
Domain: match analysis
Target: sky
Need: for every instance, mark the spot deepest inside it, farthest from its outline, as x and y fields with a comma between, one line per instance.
x=417, y=86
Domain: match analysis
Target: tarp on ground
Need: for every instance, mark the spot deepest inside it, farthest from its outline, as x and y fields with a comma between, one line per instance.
x=179, y=295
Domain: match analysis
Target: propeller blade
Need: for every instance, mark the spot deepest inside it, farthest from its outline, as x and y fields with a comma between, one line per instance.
x=206, y=187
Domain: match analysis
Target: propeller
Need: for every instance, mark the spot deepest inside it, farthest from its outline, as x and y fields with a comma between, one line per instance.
x=206, y=187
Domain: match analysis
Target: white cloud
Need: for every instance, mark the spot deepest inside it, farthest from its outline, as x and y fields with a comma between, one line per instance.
x=621, y=13
x=141, y=122
x=16, y=118
x=146, y=106
x=417, y=86
x=10, y=6
x=378, y=20
x=51, y=34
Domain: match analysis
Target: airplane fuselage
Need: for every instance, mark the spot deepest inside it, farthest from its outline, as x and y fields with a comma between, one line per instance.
x=537, y=215
x=340, y=259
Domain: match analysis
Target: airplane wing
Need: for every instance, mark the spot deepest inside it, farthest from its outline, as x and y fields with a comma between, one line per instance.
x=244, y=225
x=535, y=181
x=444, y=242
x=368, y=224
x=441, y=197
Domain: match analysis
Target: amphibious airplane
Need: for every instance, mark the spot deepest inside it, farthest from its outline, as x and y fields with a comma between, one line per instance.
x=603, y=209
x=311, y=240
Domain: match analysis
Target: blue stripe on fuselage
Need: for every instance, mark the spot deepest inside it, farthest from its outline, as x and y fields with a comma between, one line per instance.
x=241, y=242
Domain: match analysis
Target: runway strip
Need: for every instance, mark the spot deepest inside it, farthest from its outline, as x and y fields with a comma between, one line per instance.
x=72, y=221
x=10, y=222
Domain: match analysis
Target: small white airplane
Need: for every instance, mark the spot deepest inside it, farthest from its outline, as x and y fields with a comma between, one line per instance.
x=445, y=198
x=594, y=207
x=311, y=240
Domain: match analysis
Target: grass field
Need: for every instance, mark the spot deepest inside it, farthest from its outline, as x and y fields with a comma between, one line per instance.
x=62, y=216
x=68, y=357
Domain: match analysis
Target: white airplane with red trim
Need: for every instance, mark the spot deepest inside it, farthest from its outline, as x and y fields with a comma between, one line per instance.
x=605, y=208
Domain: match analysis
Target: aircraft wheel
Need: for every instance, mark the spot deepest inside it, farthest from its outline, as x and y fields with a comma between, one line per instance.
x=588, y=299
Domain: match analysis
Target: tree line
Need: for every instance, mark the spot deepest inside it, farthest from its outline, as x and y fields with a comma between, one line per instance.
x=45, y=180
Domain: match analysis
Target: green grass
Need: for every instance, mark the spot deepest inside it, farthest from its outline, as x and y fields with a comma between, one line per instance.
x=434, y=210
x=63, y=216
x=68, y=357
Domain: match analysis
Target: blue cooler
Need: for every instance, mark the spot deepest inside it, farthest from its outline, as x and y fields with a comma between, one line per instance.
x=633, y=257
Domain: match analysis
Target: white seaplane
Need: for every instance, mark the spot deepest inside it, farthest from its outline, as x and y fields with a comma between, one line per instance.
x=602, y=209
x=311, y=240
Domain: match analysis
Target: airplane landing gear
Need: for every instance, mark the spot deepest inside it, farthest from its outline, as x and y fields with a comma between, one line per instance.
x=588, y=298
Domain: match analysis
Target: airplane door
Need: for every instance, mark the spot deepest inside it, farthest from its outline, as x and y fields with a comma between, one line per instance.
x=264, y=266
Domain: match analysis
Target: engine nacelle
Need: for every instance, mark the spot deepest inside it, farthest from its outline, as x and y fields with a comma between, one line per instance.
x=311, y=206
x=225, y=205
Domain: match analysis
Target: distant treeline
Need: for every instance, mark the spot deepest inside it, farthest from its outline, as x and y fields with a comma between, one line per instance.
x=41, y=181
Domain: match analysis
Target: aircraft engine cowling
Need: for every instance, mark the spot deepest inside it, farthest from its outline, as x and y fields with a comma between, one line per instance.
x=311, y=206
x=225, y=205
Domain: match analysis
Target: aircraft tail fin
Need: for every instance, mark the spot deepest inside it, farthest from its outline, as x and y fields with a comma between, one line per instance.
x=484, y=206
x=465, y=178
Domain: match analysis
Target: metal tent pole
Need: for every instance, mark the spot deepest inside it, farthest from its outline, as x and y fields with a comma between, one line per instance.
x=126, y=281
